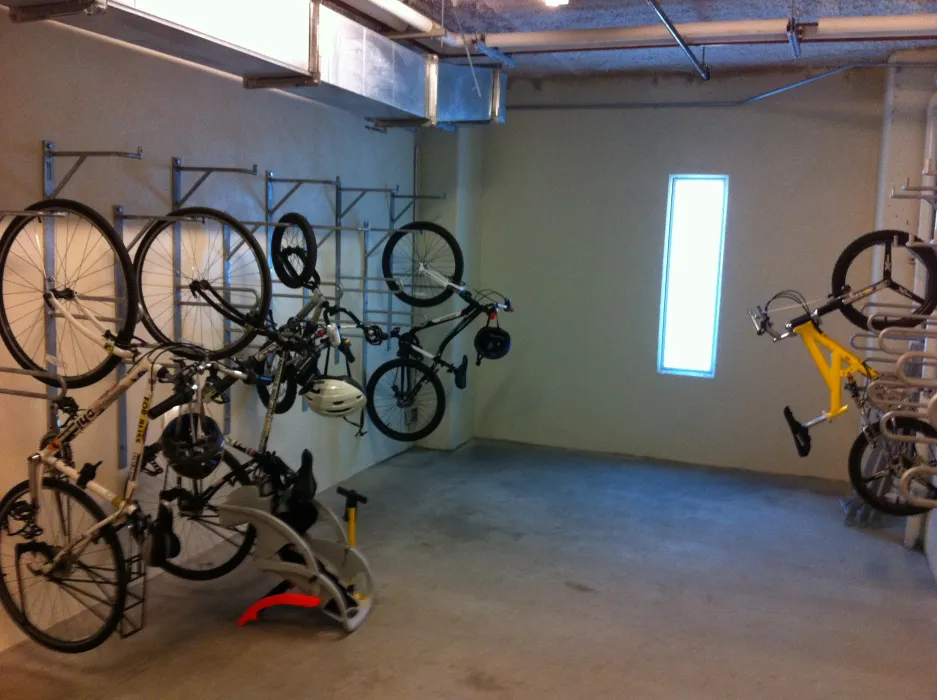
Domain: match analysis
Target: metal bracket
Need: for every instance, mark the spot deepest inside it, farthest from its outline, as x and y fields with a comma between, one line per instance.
x=795, y=34
x=49, y=187
x=272, y=82
x=437, y=33
x=858, y=512
x=383, y=125
x=395, y=215
x=270, y=181
x=492, y=53
x=431, y=89
x=178, y=199
x=34, y=12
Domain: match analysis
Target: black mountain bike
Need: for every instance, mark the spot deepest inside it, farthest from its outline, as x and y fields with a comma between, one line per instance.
x=406, y=400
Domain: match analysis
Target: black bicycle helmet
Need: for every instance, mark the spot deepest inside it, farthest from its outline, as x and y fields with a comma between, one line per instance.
x=492, y=342
x=193, y=445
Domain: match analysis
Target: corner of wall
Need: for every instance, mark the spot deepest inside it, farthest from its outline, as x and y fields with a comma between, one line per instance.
x=450, y=163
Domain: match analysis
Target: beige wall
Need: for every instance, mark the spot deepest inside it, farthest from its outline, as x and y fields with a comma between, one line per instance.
x=86, y=93
x=573, y=211
x=451, y=164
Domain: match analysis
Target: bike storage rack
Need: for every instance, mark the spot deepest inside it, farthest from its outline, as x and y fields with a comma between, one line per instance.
x=179, y=198
x=51, y=188
x=323, y=566
x=335, y=231
x=330, y=573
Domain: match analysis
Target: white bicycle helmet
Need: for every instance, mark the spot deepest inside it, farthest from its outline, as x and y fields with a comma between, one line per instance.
x=335, y=396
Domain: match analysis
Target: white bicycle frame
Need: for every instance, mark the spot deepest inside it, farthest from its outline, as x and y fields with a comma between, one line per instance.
x=44, y=460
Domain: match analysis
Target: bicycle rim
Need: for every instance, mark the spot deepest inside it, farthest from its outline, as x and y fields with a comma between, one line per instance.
x=405, y=400
x=79, y=604
x=74, y=251
x=876, y=465
x=415, y=256
x=899, y=299
x=209, y=549
x=293, y=250
x=207, y=247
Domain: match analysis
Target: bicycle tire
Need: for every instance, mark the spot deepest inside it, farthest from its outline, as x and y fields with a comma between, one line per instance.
x=260, y=308
x=242, y=478
x=108, y=533
x=376, y=403
x=861, y=484
x=288, y=389
x=391, y=276
x=926, y=256
x=123, y=327
x=297, y=278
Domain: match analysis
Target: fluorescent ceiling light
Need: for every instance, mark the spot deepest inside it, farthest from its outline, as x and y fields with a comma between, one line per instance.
x=556, y=3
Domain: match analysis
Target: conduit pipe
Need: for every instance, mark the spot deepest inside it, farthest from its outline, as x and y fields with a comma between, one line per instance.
x=766, y=31
x=381, y=9
x=698, y=104
x=833, y=29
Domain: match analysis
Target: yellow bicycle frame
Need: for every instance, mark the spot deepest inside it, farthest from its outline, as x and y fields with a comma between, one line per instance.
x=842, y=364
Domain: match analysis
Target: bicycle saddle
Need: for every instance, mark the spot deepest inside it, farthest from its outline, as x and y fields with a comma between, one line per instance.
x=299, y=510
x=800, y=433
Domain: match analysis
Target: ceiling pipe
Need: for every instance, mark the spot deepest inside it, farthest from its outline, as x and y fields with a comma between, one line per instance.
x=701, y=68
x=905, y=27
x=767, y=31
x=758, y=97
x=406, y=15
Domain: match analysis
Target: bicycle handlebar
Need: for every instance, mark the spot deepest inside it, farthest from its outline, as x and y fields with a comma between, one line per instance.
x=178, y=398
x=762, y=323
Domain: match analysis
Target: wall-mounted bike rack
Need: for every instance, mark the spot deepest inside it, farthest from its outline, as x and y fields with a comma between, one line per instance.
x=411, y=200
x=346, y=199
x=51, y=189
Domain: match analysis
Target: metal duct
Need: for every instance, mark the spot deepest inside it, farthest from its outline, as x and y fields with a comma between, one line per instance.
x=299, y=46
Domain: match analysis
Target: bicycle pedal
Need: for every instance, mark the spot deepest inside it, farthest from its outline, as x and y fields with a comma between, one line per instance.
x=151, y=469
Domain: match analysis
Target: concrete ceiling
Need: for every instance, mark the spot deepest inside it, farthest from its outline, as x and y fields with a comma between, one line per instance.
x=486, y=16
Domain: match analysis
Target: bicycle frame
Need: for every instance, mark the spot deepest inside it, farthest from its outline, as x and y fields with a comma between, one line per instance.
x=468, y=316
x=841, y=366
x=45, y=458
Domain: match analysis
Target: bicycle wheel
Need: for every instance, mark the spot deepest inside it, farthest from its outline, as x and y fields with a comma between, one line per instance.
x=293, y=250
x=886, y=251
x=78, y=604
x=406, y=400
x=876, y=465
x=411, y=252
x=73, y=252
x=175, y=263
x=209, y=549
x=287, y=394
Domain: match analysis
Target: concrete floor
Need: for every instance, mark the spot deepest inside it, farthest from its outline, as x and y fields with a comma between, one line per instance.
x=507, y=571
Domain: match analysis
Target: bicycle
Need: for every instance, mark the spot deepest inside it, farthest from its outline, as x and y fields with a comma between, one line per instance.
x=889, y=459
x=39, y=511
x=405, y=398
x=182, y=260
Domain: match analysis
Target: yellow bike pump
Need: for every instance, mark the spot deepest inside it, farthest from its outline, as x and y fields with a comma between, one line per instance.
x=352, y=499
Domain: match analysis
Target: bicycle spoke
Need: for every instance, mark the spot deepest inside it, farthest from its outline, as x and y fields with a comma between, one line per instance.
x=905, y=292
